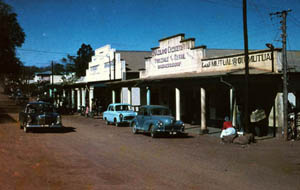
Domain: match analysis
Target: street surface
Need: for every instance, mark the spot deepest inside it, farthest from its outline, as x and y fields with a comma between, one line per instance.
x=89, y=155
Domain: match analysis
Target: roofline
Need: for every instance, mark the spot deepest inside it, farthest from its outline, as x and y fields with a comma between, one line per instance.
x=240, y=54
x=166, y=38
x=120, y=51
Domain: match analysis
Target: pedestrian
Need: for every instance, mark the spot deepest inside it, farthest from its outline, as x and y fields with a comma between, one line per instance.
x=227, y=128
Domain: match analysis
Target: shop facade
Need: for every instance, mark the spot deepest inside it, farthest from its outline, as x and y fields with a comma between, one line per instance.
x=203, y=90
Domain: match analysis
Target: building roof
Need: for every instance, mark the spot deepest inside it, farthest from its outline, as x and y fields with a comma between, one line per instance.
x=135, y=60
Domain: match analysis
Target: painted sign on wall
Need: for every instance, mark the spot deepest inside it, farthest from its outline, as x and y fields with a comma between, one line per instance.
x=174, y=55
x=259, y=59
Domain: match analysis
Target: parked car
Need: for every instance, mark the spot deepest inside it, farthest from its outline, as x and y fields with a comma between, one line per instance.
x=39, y=114
x=156, y=119
x=119, y=113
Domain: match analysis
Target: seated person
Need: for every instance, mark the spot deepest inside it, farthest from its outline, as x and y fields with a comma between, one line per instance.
x=227, y=128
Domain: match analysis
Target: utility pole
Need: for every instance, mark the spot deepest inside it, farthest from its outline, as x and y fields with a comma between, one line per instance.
x=283, y=14
x=246, y=102
x=52, y=80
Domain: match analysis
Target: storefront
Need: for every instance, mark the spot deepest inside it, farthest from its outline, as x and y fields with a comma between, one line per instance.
x=109, y=64
x=203, y=90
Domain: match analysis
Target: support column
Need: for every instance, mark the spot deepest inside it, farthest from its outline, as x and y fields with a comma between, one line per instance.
x=121, y=96
x=113, y=94
x=72, y=98
x=50, y=93
x=83, y=96
x=64, y=93
x=297, y=95
x=231, y=103
x=203, y=111
x=234, y=113
x=129, y=96
x=91, y=97
x=148, y=95
x=177, y=103
x=78, y=99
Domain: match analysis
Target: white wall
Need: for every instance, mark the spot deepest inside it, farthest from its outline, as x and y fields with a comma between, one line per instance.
x=174, y=55
x=103, y=68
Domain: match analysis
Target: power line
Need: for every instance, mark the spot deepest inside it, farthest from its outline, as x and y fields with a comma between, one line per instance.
x=43, y=51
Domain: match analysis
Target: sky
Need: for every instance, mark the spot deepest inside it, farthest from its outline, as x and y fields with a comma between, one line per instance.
x=56, y=28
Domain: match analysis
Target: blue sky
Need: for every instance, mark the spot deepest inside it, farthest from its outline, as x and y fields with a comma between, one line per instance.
x=55, y=28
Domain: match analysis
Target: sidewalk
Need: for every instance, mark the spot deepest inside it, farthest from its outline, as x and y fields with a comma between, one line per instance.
x=196, y=129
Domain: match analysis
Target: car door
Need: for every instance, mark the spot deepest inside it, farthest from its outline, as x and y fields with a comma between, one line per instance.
x=110, y=115
x=140, y=118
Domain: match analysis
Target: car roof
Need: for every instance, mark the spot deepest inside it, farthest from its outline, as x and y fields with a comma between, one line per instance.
x=39, y=102
x=153, y=106
x=117, y=104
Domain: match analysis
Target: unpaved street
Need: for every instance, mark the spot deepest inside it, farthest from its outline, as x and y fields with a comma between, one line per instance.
x=90, y=155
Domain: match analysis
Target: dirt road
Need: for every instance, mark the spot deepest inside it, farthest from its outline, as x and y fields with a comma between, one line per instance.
x=91, y=155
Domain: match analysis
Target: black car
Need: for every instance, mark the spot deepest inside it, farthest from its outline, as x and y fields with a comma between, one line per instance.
x=39, y=115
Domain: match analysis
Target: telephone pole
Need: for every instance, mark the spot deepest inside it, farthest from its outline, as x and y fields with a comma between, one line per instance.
x=246, y=102
x=283, y=14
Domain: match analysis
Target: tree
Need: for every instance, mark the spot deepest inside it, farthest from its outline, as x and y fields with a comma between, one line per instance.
x=69, y=63
x=84, y=56
x=11, y=36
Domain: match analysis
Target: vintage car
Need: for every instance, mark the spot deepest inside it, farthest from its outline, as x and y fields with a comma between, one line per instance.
x=155, y=119
x=39, y=114
x=119, y=113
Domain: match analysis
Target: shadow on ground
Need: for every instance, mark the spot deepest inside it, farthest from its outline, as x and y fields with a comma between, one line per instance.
x=178, y=136
x=5, y=118
x=53, y=130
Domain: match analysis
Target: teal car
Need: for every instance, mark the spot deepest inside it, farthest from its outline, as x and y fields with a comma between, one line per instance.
x=156, y=119
x=119, y=113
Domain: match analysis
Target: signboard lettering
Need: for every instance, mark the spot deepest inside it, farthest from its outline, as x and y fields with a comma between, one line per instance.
x=234, y=61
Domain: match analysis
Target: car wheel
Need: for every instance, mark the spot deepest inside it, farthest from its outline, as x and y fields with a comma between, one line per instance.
x=107, y=123
x=152, y=132
x=116, y=123
x=21, y=125
x=134, y=129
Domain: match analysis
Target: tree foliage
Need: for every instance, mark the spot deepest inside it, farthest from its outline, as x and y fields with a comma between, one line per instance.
x=69, y=63
x=11, y=36
x=84, y=56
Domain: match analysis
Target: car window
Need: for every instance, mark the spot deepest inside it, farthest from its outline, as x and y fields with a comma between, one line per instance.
x=141, y=111
x=160, y=111
x=39, y=108
x=123, y=108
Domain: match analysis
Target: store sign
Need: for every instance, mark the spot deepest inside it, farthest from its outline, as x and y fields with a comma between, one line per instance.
x=169, y=57
x=237, y=61
x=173, y=56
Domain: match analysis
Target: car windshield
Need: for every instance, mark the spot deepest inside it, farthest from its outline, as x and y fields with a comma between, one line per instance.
x=40, y=108
x=160, y=111
x=123, y=108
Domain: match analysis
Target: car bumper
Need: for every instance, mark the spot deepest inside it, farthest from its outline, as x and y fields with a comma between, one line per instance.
x=45, y=126
x=171, y=131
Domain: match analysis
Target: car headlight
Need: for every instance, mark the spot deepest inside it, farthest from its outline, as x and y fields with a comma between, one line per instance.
x=29, y=119
x=58, y=119
x=121, y=117
x=160, y=124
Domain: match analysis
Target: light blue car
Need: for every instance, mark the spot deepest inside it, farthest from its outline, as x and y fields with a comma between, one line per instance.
x=155, y=119
x=119, y=113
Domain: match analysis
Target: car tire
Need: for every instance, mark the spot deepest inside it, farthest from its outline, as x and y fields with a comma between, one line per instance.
x=107, y=123
x=116, y=123
x=21, y=126
x=134, y=129
x=152, y=132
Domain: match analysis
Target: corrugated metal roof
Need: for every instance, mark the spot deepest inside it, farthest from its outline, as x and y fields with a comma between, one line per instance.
x=135, y=60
